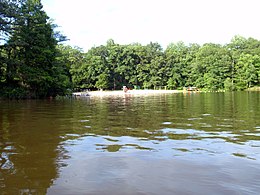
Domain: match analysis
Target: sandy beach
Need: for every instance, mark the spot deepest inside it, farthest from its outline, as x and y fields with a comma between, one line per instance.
x=122, y=93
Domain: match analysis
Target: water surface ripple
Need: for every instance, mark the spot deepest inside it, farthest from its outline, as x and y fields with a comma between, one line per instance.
x=197, y=143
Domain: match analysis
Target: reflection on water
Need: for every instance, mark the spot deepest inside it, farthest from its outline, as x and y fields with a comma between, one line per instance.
x=132, y=145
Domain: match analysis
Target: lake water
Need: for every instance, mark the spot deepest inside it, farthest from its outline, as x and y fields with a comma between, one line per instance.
x=194, y=143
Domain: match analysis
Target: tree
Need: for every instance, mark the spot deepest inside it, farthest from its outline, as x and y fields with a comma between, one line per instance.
x=177, y=62
x=102, y=82
x=155, y=66
x=70, y=59
x=113, y=62
x=213, y=66
x=8, y=14
x=246, y=74
x=32, y=52
x=245, y=62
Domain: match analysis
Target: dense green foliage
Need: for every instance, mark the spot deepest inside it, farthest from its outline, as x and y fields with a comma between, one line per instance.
x=29, y=65
x=210, y=67
x=34, y=65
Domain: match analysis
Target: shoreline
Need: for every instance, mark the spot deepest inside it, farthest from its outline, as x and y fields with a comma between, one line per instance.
x=122, y=93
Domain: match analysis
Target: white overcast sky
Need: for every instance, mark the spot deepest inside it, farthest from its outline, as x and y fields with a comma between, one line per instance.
x=90, y=23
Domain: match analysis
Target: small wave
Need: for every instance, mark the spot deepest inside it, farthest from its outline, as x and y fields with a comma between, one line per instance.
x=167, y=123
x=83, y=121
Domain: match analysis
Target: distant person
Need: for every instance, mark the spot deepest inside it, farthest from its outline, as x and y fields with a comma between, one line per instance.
x=125, y=89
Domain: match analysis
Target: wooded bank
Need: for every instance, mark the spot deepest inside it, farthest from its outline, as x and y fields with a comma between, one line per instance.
x=34, y=63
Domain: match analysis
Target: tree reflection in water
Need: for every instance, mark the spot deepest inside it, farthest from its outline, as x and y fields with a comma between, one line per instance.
x=38, y=139
x=29, y=138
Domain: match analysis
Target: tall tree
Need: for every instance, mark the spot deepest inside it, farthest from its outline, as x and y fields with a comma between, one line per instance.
x=33, y=50
x=8, y=14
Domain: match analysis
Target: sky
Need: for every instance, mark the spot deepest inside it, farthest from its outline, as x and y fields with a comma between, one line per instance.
x=88, y=23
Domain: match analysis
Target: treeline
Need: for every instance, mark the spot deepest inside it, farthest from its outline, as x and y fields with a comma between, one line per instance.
x=212, y=67
x=34, y=65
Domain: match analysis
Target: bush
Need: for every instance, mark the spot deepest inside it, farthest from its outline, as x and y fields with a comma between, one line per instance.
x=14, y=93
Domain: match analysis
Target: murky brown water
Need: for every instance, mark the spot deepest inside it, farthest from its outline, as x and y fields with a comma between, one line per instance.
x=205, y=143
